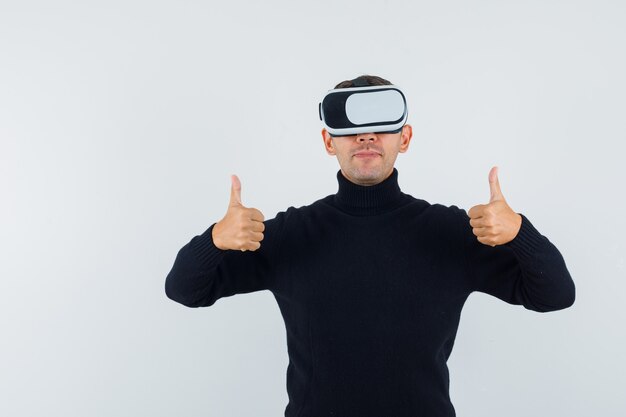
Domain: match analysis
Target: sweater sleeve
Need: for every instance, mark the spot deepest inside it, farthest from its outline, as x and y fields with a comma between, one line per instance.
x=529, y=270
x=202, y=273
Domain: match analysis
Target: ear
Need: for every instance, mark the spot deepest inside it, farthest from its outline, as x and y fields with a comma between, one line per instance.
x=405, y=138
x=328, y=142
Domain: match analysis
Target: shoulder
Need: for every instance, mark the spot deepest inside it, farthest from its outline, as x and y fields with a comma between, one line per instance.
x=446, y=211
x=317, y=208
x=436, y=211
x=295, y=214
x=442, y=219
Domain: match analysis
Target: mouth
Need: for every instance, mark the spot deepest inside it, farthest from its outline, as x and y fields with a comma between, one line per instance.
x=367, y=154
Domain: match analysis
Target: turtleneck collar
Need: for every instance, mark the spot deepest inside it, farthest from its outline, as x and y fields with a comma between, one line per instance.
x=368, y=199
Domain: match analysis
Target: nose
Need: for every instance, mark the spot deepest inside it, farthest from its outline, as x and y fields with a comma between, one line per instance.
x=365, y=136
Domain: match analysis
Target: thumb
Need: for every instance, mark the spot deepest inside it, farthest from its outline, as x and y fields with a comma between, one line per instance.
x=235, y=191
x=494, y=185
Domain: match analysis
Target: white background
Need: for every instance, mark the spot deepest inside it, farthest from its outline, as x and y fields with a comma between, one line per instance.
x=121, y=122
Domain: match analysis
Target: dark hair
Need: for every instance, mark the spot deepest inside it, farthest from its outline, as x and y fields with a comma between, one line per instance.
x=369, y=79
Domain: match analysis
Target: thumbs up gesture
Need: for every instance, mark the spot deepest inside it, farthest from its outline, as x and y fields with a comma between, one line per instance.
x=242, y=227
x=494, y=223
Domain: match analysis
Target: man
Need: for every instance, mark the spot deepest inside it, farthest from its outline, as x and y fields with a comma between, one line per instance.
x=371, y=281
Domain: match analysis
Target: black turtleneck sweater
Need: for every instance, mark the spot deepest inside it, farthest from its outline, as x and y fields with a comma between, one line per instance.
x=370, y=283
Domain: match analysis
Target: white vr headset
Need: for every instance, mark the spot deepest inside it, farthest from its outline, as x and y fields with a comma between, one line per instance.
x=349, y=111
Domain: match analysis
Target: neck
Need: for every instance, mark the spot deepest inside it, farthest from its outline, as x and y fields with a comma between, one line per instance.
x=368, y=199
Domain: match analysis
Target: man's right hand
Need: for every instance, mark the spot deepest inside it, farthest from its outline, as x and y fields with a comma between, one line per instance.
x=242, y=227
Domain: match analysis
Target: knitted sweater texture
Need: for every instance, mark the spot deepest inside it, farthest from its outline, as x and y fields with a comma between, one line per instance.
x=371, y=282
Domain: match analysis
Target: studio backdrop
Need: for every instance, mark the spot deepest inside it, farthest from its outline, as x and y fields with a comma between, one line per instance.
x=122, y=122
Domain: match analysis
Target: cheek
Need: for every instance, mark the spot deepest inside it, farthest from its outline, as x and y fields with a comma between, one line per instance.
x=339, y=149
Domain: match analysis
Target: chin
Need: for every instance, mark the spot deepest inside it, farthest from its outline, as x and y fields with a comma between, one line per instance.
x=370, y=173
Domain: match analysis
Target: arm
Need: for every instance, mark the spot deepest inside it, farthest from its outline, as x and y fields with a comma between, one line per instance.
x=529, y=270
x=203, y=273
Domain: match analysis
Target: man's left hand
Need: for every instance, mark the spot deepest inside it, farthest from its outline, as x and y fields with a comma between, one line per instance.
x=494, y=223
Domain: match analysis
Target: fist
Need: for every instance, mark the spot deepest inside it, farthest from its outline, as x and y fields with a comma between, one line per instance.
x=241, y=228
x=494, y=223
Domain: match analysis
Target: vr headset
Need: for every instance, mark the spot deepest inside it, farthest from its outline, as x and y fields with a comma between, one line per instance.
x=349, y=111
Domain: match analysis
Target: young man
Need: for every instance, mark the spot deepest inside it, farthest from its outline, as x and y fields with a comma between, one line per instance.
x=371, y=281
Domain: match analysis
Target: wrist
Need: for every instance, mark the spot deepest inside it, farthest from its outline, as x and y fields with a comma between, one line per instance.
x=215, y=236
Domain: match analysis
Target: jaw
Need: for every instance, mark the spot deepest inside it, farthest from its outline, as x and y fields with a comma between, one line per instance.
x=370, y=171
